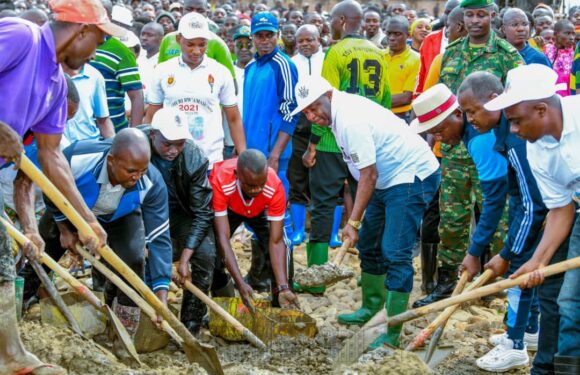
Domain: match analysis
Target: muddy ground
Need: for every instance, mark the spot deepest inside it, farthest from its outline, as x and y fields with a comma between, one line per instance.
x=467, y=332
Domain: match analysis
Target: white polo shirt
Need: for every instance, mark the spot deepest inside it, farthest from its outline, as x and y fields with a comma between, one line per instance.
x=556, y=165
x=369, y=134
x=199, y=93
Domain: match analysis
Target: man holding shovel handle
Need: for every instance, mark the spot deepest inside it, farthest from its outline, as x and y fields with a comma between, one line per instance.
x=72, y=36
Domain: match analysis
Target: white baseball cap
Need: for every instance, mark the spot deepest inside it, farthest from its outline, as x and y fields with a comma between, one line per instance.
x=432, y=107
x=171, y=123
x=122, y=15
x=194, y=25
x=308, y=90
x=130, y=40
x=524, y=83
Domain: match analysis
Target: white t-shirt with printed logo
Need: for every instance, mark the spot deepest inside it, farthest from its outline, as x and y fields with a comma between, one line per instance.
x=199, y=93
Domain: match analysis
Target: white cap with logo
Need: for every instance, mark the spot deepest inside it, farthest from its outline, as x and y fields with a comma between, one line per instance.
x=194, y=25
x=524, y=83
x=171, y=123
x=308, y=91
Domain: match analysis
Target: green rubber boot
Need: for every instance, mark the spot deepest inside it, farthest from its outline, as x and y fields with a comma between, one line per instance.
x=396, y=303
x=373, y=300
x=316, y=254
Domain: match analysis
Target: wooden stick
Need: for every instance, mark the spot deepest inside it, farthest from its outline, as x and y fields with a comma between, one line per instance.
x=341, y=252
x=248, y=335
x=441, y=320
x=205, y=355
x=356, y=345
x=81, y=289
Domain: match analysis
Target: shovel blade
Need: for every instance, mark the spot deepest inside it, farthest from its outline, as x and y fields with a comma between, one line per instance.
x=205, y=355
x=119, y=331
x=438, y=356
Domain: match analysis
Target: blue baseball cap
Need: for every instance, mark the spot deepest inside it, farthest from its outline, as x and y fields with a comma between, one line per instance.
x=264, y=22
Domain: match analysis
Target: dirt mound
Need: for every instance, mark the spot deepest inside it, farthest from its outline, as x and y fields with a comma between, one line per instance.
x=80, y=356
x=383, y=361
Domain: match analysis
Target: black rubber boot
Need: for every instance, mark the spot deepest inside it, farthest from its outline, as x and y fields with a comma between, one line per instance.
x=446, y=281
x=227, y=291
x=260, y=272
x=428, y=267
x=566, y=365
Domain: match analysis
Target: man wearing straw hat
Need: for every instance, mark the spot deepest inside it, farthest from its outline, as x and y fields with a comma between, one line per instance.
x=398, y=176
x=72, y=37
x=551, y=125
x=486, y=135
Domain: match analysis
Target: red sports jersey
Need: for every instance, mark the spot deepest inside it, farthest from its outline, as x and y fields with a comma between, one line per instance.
x=227, y=193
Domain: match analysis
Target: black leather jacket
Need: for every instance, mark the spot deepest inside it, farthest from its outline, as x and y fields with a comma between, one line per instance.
x=194, y=193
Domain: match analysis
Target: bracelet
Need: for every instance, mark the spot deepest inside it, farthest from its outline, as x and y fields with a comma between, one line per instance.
x=280, y=288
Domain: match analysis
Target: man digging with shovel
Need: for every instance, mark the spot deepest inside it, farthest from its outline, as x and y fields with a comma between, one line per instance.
x=398, y=176
x=73, y=36
x=129, y=198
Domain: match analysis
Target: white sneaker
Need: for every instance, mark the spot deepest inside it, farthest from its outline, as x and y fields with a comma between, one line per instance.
x=530, y=339
x=503, y=358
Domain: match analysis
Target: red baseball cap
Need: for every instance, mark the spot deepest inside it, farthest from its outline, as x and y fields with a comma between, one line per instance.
x=91, y=12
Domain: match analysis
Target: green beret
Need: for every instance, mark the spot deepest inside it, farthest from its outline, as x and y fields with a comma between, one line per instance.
x=473, y=4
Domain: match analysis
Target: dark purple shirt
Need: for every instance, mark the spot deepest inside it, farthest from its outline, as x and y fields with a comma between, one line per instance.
x=32, y=84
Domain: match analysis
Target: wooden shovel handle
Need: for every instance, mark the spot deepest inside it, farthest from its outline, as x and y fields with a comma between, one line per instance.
x=248, y=335
x=341, y=252
x=59, y=200
x=442, y=318
x=128, y=291
x=78, y=287
x=487, y=290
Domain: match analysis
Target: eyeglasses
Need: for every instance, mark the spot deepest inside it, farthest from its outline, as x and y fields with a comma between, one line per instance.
x=242, y=45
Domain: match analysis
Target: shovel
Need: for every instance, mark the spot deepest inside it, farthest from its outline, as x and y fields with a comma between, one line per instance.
x=325, y=274
x=81, y=289
x=357, y=344
x=438, y=325
x=246, y=333
x=190, y=352
x=205, y=355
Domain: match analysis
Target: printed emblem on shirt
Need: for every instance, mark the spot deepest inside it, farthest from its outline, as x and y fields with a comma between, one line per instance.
x=170, y=80
x=354, y=157
x=211, y=82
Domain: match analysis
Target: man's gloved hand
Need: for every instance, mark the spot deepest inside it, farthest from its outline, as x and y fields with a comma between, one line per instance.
x=288, y=300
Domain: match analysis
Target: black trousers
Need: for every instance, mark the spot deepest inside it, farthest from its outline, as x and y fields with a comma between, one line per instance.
x=261, y=228
x=327, y=178
x=430, y=224
x=298, y=174
x=126, y=236
x=202, y=263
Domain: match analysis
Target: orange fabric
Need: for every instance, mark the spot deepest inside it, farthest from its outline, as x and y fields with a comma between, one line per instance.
x=430, y=48
x=430, y=81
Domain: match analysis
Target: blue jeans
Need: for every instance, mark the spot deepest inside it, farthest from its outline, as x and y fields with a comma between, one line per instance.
x=389, y=230
x=569, y=302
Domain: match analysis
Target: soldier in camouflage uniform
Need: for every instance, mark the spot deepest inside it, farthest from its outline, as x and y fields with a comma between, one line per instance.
x=481, y=50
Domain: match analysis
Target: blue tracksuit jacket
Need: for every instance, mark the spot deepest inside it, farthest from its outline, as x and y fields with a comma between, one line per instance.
x=86, y=159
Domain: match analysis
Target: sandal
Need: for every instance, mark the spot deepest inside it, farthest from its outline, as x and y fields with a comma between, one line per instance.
x=42, y=369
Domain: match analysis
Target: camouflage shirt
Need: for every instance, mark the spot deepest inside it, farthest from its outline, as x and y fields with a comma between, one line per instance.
x=497, y=56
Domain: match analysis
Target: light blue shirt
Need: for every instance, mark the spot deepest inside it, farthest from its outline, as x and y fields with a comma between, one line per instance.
x=93, y=104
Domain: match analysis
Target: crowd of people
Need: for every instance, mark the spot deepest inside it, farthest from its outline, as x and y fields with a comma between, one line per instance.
x=174, y=126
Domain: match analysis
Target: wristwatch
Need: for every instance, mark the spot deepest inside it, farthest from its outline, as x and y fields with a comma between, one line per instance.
x=355, y=224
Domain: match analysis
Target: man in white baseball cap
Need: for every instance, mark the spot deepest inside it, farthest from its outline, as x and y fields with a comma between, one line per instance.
x=200, y=88
x=551, y=125
x=397, y=175
x=183, y=166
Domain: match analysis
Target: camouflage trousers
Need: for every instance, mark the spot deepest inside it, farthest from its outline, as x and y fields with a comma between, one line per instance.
x=460, y=198
x=7, y=267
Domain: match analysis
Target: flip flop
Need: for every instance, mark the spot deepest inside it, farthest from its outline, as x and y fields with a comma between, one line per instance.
x=42, y=369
